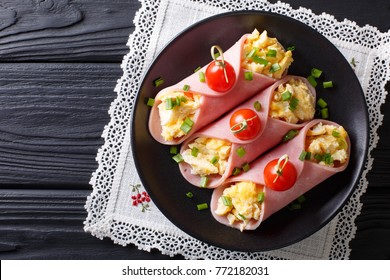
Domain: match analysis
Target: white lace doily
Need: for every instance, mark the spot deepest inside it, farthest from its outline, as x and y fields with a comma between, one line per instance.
x=119, y=207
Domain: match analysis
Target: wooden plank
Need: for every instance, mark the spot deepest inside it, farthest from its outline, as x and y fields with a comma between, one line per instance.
x=51, y=120
x=79, y=30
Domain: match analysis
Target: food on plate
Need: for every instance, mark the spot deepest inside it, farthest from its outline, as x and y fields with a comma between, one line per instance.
x=246, y=132
x=253, y=63
x=320, y=150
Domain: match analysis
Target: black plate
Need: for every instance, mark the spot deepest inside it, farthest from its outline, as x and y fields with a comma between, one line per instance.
x=160, y=174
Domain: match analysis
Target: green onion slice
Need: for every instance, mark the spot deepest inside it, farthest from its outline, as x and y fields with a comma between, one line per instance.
x=248, y=75
x=303, y=155
x=316, y=73
x=245, y=167
x=260, y=197
x=169, y=104
x=290, y=135
x=275, y=67
x=312, y=81
x=173, y=150
x=204, y=180
x=257, y=106
x=260, y=60
x=293, y=103
x=236, y=171
x=158, y=82
x=242, y=217
x=194, y=151
x=271, y=53
x=186, y=87
x=291, y=48
x=202, y=77
x=327, y=84
x=178, y=158
x=286, y=95
x=252, y=52
x=189, y=195
x=335, y=133
x=241, y=152
x=197, y=69
x=214, y=160
x=150, y=102
x=187, y=125
x=227, y=201
x=321, y=103
x=202, y=206
x=325, y=113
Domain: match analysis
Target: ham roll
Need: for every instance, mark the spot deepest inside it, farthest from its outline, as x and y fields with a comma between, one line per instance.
x=182, y=109
x=320, y=150
x=214, y=153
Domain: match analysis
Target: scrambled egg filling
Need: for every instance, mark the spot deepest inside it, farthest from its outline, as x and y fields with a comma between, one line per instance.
x=293, y=102
x=327, y=144
x=240, y=203
x=207, y=156
x=174, y=109
x=265, y=55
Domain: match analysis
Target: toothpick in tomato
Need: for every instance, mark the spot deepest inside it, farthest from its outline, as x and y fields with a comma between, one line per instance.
x=220, y=74
x=280, y=174
x=245, y=124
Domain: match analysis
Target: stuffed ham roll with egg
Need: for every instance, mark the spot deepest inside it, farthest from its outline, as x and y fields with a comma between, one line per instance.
x=320, y=150
x=227, y=146
x=250, y=65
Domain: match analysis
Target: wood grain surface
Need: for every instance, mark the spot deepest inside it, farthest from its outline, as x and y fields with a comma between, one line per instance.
x=59, y=63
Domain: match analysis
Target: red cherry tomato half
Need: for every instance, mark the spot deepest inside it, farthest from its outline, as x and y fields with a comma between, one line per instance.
x=280, y=175
x=215, y=76
x=245, y=124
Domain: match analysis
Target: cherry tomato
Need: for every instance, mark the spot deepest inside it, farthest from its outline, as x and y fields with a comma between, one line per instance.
x=245, y=124
x=280, y=175
x=215, y=76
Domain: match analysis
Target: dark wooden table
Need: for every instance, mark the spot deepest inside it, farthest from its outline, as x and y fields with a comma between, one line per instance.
x=60, y=61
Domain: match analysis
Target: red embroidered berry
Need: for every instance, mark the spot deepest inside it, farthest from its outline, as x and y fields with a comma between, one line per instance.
x=143, y=199
x=135, y=203
x=147, y=199
x=139, y=195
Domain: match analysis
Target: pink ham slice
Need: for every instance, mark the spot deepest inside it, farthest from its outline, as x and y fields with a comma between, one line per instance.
x=213, y=104
x=271, y=134
x=310, y=174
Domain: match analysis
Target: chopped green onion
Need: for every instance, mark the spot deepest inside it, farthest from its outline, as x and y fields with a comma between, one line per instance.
x=342, y=144
x=291, y=48
x=271, y=53
x=318, y=157
x=321, y=103
x=327, y=84
x=257, y=106
x=260, y=197
x=169, y=104
x=312, y=81
x=316, y=73
x=150, y=102
x=187, y=125
x=186, y=87
x=308, y=155
x=286, y=95
x=294, y=206
x=303, y=155
x=202, y=206
x=178, y=101
x=275, y=67
x=290, y=135
x=227, y=201
x=197, y=69
x=248, y=75
x=236, y=171
x=189, y=195
x=178, y=158
x=327, y=158
x=194, y=151
x=216, y=55
x=204, y=180
x=202, y=77
x=245, y=167
x=158, y=82
x=301, y=199
x=335, y=133
x=252, y=52
x=260, y=60
x=293, y=103
x=214, y=160
x=325, y=113
x=173, y=150
x=242, y=217
x=241, y=152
